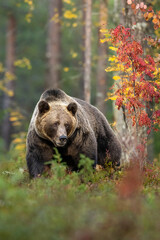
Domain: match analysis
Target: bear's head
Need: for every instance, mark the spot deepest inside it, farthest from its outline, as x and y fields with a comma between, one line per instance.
x=56, y=121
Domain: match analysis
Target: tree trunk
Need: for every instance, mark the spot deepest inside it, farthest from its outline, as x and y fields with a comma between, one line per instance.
x=102, y=56
x=10, y=83
x=87, y=50
x=54, y=44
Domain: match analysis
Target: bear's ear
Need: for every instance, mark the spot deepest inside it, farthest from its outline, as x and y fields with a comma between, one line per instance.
x=43, y=107
x=72, y=107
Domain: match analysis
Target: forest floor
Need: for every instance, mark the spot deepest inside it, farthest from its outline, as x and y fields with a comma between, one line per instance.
x=105, y=204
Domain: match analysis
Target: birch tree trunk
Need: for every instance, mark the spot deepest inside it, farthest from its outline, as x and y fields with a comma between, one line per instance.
x=10, y=83
x=87, y=50
x=102, y=56
x=54, y=44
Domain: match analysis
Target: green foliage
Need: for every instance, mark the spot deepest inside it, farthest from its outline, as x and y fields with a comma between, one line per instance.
x=86, y=166
x=76, y=204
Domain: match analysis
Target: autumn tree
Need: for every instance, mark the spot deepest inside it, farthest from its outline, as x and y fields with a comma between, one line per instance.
x=136, y=86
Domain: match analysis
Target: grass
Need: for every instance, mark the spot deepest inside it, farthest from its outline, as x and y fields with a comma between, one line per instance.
x=104, y=204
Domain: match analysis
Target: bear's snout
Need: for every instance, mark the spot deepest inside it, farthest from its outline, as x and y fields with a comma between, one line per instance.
x=63, y=139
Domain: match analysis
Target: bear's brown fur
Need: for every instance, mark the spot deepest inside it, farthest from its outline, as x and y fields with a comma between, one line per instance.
x=74, y=127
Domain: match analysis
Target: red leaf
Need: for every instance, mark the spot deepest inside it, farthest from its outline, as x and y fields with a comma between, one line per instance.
x=133, y=6
x=150, y=9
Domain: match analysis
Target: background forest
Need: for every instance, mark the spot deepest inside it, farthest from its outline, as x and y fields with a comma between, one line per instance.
x=47, y=44
x=82, y=48
x=48, y=50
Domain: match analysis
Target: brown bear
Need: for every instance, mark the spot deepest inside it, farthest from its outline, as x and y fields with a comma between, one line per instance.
x=74, y=127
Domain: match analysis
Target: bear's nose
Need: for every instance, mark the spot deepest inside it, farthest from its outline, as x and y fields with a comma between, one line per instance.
x=63, y=139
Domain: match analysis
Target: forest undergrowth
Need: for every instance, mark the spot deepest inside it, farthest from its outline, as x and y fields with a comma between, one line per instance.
x=100, y=204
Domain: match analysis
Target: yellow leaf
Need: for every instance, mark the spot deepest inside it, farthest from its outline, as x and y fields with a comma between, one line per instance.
x=22, y=63
x=28, y=17
x=55, y=18
x=127, y=89
x=113, y=48
x=113, y=98
x=10, y=93
x=20, y=147
x=29, y=2
x=12, y=119
x=111, y=69
x=150, y=15
x=9, y=76
x=103, y=30
x=113, y=59
x=69, y=15
x=17, y=140
x=113, y=124
x=103, y=40
x=74, y=25
x=74, y=55
x=66, y=69
x=67, y=1
x=116, y=78
x=16, y=124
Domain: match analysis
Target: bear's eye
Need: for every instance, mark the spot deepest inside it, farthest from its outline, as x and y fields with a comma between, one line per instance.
x=67, y=126
x=55, y=124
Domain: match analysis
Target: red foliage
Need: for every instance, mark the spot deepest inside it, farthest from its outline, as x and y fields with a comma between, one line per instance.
x=144, y=120
x=149, y=12
x=119, y=102
x=131, y=183
x=139, y=88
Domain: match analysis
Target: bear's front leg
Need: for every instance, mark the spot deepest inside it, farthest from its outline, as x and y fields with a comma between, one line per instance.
x=39, y=151
x=34, y=162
